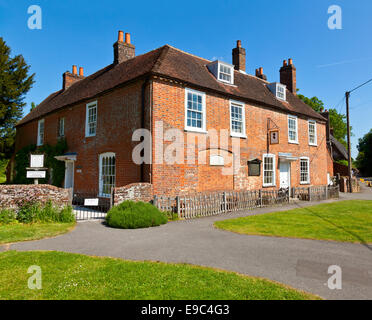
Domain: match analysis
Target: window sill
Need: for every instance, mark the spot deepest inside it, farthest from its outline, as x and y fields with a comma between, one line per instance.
x=91, y=136
x=293, y=142
x=196, y=130
x=304, y=183
x=313, y=145
x=236, y=135
x=269, y=185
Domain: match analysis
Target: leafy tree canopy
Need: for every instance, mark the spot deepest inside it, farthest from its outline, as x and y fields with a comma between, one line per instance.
x=364, y=160
x=15, y=82
x=337, y=120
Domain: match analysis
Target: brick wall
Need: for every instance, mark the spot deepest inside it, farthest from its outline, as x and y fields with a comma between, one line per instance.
x=119, y=115
x=134, y=191
x=12, y=196
x=168, y=106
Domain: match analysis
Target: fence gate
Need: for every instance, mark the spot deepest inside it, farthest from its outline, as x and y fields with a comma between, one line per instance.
x=88, y=206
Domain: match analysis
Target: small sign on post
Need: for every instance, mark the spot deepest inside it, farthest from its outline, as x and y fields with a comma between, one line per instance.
x=36, y=170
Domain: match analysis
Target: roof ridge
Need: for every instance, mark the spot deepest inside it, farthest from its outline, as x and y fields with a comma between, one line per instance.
x=190, y=54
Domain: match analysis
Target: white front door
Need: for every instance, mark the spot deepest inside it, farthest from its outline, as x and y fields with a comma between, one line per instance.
x=285, y=176
x=69, y=174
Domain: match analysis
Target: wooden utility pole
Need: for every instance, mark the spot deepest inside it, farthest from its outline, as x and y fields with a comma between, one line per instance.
x=347, y=94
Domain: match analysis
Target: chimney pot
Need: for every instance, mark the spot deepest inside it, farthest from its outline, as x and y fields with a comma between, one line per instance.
x=120, y=36
x=123, y=51
x=74, y=70
x=81, y=71
x=260, y=74
x=127, y=37
x=288, y=76
x=238, y=56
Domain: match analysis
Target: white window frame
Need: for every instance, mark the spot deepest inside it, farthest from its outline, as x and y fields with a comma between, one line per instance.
x=269, y=155
x=296, y=120
x=307, y=159
x=231, y=72
x=40, y=137
x=61, y=128
x=191, y=128
x=284, y=92
x=242, y=106
x=100, y=181
x=315, y=143
x=88, y=106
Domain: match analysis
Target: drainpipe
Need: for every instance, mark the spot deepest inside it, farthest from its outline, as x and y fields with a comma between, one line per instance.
x=143, y=91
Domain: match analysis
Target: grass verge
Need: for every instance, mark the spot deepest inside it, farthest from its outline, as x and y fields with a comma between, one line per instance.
x=21, y=232
x=74, y=276
x=347, y=221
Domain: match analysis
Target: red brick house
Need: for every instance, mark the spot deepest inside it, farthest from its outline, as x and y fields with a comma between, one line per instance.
x=281, y=137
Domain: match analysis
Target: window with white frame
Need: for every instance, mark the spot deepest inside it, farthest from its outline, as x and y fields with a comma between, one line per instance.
x=312, y=133
x=268, y=170
x=225, y=73
x=304, y=171
x=91, y=119
x=237, y=119
x=292, y=129
x=194, y=110
x=61, y=127
x=107, y=173
x=280, y=92
x=40, y=132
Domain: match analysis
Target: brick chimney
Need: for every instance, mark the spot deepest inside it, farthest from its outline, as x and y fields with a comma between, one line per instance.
x=238, y=56
x=288, y=75
x=123, y=51
x=70, y=78
x=260, y=74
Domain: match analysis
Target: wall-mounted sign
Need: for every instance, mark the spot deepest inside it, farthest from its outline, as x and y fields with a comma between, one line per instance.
x=254, y=167
x=36, y=160
x=274, y=136
x=216, y=160
x=36, y=174
x=91, y=202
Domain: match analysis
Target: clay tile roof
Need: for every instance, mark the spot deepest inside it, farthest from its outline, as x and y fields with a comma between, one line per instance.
x=171, y=63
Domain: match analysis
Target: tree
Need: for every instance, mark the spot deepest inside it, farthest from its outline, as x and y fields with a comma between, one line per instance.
x=15, y=82
x=364, y=160
x=337, y=121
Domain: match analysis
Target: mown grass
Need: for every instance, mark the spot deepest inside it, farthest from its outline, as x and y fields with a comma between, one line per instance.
x=74, y=276
x=21, y=232
x=347, y=221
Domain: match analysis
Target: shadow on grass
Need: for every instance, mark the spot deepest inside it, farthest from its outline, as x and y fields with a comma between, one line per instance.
x=355, y=235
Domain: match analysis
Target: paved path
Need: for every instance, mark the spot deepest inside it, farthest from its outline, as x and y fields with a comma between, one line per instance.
x=302, y=264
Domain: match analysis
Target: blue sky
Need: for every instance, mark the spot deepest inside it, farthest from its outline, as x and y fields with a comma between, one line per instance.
x=328, y=62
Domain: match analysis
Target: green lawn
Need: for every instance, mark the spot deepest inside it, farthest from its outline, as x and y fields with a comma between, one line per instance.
x=349, y=221
x=21, y=232
x=73, y=276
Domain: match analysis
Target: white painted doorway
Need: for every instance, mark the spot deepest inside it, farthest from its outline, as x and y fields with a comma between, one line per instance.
x=69, y=174
x=285, y=174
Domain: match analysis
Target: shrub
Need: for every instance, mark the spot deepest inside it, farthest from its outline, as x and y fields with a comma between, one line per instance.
x=34, y=212
x=28, y=212
x=7, y=216
x=133, y=215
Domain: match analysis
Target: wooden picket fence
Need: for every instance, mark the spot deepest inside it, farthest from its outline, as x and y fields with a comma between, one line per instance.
x=208, y=204
x=316, y=193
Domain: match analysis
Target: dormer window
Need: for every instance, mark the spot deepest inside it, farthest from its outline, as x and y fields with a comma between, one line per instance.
x=223, y=71
x=279, y=90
